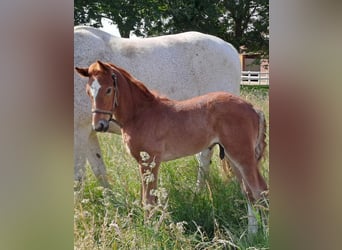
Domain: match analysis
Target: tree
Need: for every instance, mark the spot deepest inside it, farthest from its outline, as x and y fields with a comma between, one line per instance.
x=240, y=22
x=248, y=24
x=125, y=13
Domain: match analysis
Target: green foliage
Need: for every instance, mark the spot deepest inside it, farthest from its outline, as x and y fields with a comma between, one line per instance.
x=213, y=219
x=242, y=23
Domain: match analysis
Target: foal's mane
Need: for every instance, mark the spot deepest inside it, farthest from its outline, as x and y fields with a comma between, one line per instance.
x=131, y=79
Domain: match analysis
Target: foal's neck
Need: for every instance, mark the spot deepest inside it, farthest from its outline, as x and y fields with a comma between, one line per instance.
x=134, y=97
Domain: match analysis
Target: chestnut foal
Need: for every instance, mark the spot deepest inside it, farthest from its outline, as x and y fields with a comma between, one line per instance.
x=157, y=129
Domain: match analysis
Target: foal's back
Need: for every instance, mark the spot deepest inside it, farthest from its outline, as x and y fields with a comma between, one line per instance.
x=180, y=128
x=209, y=107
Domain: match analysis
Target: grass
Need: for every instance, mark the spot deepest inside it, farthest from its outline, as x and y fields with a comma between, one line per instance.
x=213, y=219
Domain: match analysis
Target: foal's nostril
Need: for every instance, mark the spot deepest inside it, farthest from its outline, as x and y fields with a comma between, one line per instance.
x=102, y=126
x=99, y=127
x=106, y=127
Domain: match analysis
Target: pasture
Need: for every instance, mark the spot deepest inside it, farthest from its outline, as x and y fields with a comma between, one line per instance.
x=213, y=219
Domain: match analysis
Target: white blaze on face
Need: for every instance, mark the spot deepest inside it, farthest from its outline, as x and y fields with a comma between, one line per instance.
x=94, y=88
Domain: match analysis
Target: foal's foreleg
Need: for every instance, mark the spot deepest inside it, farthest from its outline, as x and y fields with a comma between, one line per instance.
x=149, y=178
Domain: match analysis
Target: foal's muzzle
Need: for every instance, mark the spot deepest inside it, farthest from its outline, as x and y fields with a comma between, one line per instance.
x=101, y=126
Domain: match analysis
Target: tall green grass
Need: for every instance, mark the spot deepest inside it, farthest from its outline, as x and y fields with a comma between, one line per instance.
x=112, y=218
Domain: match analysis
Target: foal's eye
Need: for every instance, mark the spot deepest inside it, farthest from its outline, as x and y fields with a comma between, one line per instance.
x=108, y=91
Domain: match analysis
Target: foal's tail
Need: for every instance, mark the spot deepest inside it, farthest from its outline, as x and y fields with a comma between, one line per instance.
x=260, y=143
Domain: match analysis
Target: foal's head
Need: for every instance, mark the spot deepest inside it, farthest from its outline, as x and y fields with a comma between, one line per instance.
x=102, y=90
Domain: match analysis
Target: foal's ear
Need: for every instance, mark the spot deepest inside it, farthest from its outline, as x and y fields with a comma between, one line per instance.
x=101, y=65
x=82, y=71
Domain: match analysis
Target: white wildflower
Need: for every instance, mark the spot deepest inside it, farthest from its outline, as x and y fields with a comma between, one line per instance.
x=180, y=226
x=148, y=177
x=85, y=201
x=116, y=228
x=161, y=193
x=145, y=164
x=153, y=163
x=86, y=214
x=144, y=156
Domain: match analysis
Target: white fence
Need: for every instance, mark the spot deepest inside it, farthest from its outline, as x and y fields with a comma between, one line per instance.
x=254, y=78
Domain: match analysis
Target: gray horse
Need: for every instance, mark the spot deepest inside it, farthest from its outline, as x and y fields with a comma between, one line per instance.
x=179, y=66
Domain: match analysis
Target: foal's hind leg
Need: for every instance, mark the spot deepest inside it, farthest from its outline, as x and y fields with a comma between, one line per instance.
x=252, y=221
x=203, y=159
x=95, y=159
x=246, y=166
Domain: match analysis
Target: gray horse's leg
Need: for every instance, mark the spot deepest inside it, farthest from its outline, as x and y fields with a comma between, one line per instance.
x=94, y=157
x=252, y=221
x=79, y=154
x=94, y=154
x=203, y=159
